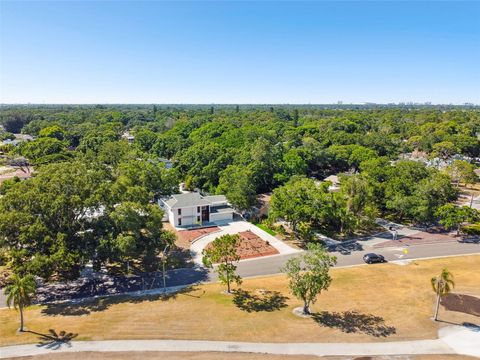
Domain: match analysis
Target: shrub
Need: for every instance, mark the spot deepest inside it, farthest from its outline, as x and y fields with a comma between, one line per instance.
x=473, y=229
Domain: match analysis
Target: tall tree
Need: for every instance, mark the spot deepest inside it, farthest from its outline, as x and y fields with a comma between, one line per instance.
x=452, y=217
x=54, y=131
x=308, y=274
x=294, y=201
x=462, y=172
x=137, y=232
x=46, y=221
x=145, y=139
x=444, y=149
x=295, y=117
x=223, y=251
x=237, y=185
x=442, y=285
x=20, y=293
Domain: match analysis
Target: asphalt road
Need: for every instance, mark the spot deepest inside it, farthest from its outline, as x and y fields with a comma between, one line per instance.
x=271, y=265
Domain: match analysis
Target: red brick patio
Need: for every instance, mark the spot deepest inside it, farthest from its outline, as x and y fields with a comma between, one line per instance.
x=191, y=235
x=252, y=246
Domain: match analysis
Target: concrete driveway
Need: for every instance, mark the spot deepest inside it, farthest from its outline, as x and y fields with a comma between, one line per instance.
x=236, y=227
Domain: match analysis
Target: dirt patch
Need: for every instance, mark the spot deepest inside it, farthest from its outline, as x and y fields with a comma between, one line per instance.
x=462, y=303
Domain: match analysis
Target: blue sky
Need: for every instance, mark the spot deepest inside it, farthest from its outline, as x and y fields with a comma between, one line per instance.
x=239, y=52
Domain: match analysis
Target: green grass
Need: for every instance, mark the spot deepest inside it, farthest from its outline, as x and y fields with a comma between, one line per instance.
x=266, y=229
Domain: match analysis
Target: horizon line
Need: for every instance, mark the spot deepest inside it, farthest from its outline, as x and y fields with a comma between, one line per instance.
x=427, y=103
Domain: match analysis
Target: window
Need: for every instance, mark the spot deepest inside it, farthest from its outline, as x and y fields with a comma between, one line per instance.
x=179, y=211
x=198, y=219
x=179, y=222
x=198, y=209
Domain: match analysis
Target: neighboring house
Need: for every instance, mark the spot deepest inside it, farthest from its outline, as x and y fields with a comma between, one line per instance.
x=23, y=137
x=10, y=172
x=19, y=138
x=335, y=182
x=260, y=210
x=193, y=209
x=437, y=163
x=168, y=163
x=127, y=136
x=9, y=142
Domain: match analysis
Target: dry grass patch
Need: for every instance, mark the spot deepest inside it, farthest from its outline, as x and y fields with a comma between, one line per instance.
x=367, y=303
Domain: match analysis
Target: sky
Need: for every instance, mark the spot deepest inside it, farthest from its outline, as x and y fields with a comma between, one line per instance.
x=239, y=52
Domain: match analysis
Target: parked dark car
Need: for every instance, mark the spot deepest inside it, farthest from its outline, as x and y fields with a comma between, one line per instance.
x=373, y=258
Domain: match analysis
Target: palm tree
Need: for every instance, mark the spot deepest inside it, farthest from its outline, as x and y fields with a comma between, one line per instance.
x=21, y=292
x=442, y=285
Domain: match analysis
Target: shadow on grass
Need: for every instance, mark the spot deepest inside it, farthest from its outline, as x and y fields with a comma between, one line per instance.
x=54, y=340
x=462, y=303
x=100, y=304
x=266, y=301
x=355, y=322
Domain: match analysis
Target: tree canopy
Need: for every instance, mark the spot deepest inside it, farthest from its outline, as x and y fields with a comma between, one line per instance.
x=93, y=194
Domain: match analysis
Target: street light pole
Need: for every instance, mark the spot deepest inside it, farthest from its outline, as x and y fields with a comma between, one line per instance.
x=164, y=259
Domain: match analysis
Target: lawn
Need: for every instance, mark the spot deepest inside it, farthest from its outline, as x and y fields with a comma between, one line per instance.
x=266, y=229
x=384, y=302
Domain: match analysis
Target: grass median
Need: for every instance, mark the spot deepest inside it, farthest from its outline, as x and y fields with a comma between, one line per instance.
x=384, y=302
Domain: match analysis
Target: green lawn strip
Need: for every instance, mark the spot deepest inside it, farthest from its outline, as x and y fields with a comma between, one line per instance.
x=266, y=229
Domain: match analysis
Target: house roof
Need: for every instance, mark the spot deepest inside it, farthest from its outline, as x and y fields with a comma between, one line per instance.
x=222, y=209
x=23, y=137
x=216, y=199
x=186, y=200
x=332, y=178
x=194, y=199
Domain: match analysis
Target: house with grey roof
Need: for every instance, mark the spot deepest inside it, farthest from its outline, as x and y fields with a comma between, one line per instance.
x=194, y=209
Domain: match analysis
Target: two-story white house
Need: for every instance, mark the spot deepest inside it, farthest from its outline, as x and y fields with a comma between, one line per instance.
x=190, y=209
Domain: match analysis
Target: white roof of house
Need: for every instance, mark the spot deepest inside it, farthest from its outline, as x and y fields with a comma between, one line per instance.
x=332, y=178
x=194, y=199
x=23, y=137
x=216, y=199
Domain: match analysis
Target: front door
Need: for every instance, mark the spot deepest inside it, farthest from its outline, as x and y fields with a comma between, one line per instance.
x=205, y=213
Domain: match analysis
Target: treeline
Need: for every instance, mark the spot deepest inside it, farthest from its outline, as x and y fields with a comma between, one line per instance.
x=250, y=150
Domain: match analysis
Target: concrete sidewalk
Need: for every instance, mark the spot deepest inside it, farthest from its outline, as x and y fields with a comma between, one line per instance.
x=453, y=340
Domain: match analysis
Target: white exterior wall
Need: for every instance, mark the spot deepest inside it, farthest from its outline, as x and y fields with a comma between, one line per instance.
x=188, y=216
x=221, y=216
x=171, y=217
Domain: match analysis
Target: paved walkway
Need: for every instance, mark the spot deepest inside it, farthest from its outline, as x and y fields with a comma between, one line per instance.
x=386, y=237
x=236, y=227
x=453, y=340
